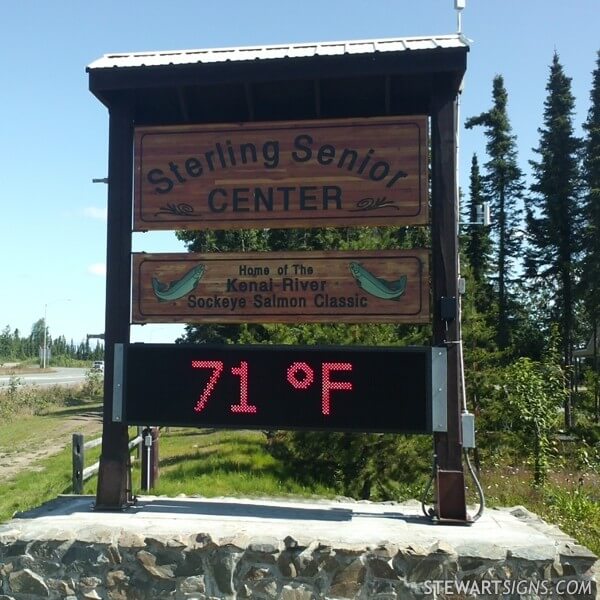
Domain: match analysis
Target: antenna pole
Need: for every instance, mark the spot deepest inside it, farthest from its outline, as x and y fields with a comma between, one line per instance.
x=459, y=5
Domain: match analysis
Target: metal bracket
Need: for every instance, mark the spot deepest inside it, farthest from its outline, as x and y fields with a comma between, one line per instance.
x=118, y=376
x=439, y=389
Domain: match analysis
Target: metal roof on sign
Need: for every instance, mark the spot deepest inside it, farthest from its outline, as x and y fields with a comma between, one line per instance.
x=279, y=51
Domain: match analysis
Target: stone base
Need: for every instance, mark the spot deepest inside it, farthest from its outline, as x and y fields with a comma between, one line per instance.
x=201, y=548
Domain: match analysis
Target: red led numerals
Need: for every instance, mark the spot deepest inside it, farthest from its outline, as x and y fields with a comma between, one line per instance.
x=217, y=367
x=243, y=406
x=299, y=375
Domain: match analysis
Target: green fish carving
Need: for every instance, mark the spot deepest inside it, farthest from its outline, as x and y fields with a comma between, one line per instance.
x=387, y=290
x=179, y=288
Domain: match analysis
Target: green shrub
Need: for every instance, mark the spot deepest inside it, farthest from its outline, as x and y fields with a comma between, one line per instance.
x=18, y=400
x=576, y=511
x=367, y=466
x=534, y=392
x=93, y=387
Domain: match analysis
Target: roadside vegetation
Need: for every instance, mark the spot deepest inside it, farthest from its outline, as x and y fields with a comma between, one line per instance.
x=35, y=433
x=18, y=401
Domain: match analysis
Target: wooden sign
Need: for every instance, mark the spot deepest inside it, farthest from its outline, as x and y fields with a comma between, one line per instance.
x=382, y=286
x=286, y=174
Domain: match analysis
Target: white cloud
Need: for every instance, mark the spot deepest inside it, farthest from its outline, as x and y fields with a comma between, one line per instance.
x=97, y=269
x=94, y=212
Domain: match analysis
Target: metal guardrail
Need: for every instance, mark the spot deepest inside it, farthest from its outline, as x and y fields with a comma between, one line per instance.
x=82, y=473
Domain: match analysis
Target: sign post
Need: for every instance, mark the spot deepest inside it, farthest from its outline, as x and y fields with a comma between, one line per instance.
x=326, y=137
x=450, y=483
x=114, y=486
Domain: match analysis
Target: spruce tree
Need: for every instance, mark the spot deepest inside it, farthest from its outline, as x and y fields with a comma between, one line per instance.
x=554, y=212
x=7, y=349
x=591, y=266
x=503, y=187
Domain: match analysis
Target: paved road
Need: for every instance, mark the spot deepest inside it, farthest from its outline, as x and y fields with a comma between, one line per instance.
x=59, y=376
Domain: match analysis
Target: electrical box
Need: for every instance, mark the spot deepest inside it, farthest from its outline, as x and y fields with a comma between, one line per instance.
x=468, y=430
x=460, y=4
x=448, y=308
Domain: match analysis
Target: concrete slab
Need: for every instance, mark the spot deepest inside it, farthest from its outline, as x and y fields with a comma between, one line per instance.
x=337, y=523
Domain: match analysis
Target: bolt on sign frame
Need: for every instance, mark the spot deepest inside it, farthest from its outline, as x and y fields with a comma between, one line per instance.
x=308, y=86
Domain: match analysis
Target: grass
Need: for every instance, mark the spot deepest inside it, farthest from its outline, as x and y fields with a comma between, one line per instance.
x=192, y=462
x=43, y=481
x=569, y=499
x=236, y=463
x=34, y=487
x=20, y=433
x=31, y=420
x=32, y=365
x=219, y=463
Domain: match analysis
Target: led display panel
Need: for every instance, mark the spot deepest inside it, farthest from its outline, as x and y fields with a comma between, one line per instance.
x=280, y=387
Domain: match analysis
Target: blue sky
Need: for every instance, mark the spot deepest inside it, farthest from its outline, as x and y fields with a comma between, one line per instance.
x=54, y=133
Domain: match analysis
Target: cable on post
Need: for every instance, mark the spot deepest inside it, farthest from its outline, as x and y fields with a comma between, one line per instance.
x=429, y=512
x=147, y=435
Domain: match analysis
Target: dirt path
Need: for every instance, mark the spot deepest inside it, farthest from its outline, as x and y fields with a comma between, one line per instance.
x=89, y=423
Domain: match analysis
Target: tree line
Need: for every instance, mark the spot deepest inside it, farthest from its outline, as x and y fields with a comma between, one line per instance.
x=537, y=267
x=17, y=347
x=533, y=278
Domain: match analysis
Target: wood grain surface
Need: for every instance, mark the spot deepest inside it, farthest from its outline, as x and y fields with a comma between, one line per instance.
x=383, y=286
x=346, y=172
